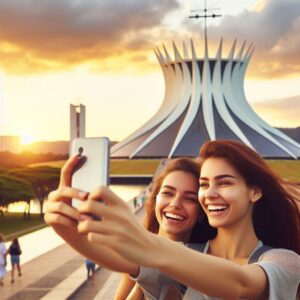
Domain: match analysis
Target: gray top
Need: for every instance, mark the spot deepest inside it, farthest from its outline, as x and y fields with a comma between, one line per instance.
x=155, y=284
x=281, y=266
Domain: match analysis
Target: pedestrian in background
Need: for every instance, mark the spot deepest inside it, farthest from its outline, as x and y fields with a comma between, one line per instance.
x=15, y=251
x=2, y=259
x=90, y=267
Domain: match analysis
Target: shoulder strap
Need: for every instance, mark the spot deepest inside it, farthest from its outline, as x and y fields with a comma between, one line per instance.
x=257, y=253
x=197, y=247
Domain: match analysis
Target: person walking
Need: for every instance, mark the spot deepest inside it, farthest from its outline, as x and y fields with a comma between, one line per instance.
x=91, y=268
x=2, y=259
x=15, y=251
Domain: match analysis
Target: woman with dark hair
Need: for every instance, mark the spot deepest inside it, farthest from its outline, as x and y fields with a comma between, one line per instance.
x=172, y=211
x=247, y=205
x=15, y=251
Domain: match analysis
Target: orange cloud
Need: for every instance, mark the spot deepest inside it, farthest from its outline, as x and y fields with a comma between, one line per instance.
x=48, y=35
x=280, y=112
x=45, y=36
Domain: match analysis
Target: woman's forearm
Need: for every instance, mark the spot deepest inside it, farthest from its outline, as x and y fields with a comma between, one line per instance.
x=208, y=274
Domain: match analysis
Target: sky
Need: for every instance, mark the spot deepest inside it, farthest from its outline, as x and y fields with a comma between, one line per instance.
x=100, y=53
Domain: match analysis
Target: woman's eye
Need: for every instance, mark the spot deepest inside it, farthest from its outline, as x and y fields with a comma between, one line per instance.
x=191, y=199
x=166, y=194
x=203, y=184
x=224, y=183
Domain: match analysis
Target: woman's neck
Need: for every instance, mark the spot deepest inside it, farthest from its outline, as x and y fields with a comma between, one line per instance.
x=235, y=243
x=182, y=237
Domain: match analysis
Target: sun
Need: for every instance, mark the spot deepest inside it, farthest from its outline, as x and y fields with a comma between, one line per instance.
x=26, y=139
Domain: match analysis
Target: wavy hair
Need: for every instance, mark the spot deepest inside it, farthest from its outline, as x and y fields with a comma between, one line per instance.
x=276, y=215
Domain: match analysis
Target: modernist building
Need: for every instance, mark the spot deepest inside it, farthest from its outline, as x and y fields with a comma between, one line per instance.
x=77, y=121
x=204, y=100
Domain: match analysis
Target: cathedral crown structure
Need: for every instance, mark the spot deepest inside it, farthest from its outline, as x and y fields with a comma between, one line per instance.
x=204, y=100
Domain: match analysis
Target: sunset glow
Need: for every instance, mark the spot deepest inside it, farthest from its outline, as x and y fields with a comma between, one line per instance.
x=101, y=52
x=26, y=139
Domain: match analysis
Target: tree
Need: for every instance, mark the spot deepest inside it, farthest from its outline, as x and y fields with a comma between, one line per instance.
x=14, y=189
x=42, y=180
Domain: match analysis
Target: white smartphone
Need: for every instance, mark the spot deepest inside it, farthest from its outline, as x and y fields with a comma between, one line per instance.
x=94, y=172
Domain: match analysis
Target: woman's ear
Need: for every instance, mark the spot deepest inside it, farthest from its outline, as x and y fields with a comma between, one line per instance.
x=256, y=194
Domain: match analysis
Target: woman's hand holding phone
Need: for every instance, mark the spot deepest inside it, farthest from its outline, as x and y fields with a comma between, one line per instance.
x=59, y=210
x=119, y=229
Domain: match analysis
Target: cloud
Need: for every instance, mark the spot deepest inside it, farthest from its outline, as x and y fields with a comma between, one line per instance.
x=46, y=35
x=37, y=35
x=280, y=112
x=275, y=30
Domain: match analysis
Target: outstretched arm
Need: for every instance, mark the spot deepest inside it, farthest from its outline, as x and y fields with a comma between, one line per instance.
x=211, y=275
x=64, y=220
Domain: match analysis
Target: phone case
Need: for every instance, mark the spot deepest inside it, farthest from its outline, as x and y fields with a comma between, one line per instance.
x=95, y=171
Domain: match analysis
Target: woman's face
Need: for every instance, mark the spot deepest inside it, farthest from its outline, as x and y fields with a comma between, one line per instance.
x=177, y=208
x=224, y=194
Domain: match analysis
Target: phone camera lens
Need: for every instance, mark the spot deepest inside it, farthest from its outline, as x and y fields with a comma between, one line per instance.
x=80, y=150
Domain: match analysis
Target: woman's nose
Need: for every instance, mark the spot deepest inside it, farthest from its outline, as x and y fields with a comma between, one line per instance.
x=175, y=202
x=211, y=192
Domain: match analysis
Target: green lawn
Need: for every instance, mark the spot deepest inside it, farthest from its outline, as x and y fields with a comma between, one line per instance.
x=13, y=225
x=119, y=167
x=137, y=166
x=53, y=164
x=289, y=169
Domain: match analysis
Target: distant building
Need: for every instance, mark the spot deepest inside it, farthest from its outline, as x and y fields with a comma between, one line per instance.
x=11, y=143
x=77, y=121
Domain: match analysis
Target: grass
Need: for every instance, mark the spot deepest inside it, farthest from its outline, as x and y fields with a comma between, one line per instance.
x=139, y=166
x=289, y=169
x=13, y=225
x=118, y=166
x=53, y=164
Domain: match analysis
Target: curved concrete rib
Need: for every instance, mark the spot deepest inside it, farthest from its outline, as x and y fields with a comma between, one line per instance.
x=185, y=52
x=183, y=84
x=194, y=102
x=208, y=115
x=217, y=88
x=239, y=109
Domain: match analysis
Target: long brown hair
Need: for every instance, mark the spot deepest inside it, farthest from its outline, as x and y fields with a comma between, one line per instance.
x=186, y=165
x=276, y=215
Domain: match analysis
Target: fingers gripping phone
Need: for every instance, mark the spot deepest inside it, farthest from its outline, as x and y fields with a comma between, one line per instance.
x=94, y=171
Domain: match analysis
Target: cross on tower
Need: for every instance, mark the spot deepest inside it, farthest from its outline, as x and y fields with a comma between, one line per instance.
x=205, y=16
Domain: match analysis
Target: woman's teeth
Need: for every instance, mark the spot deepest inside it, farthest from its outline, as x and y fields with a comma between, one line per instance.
x=174, y=217
x=216, y=208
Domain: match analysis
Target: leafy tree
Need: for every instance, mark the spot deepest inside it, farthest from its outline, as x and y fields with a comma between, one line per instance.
x=14, y=189
x=42, y=180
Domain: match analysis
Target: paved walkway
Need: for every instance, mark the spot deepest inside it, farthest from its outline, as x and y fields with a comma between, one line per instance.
x=56, y=274
x=42, y=274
